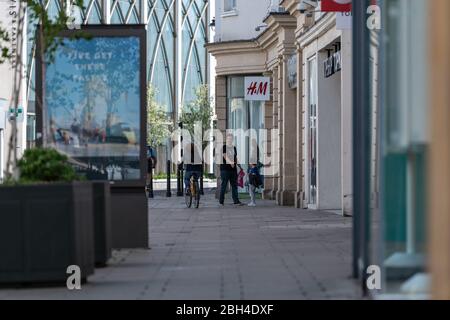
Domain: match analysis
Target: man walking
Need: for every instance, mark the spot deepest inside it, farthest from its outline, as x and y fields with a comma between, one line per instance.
x=228, y=171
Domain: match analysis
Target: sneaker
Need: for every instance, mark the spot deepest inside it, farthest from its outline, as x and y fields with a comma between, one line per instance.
x=221, y=204
x=252, y=204
x=238, y=203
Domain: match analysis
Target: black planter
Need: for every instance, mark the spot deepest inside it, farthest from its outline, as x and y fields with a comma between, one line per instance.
x=43, y=230
x=102, y=223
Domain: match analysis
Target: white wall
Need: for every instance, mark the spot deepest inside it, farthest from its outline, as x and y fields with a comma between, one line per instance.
x=7, y=78
x=240, y=24
x=329, y=139
x=347, y=122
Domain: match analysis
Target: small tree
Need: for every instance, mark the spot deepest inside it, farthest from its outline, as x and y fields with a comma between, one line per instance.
x=198, y=111
x=159, y=124
x=4, y=40
x=49, y=27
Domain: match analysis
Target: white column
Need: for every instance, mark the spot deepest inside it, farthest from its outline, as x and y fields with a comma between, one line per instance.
x=179, y=57
x=143, y=7
x=106, y=11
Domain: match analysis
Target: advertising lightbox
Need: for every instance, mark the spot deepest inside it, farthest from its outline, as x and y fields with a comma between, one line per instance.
x=94, y=95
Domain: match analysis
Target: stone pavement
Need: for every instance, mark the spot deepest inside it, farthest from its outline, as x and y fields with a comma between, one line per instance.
x=267, y=252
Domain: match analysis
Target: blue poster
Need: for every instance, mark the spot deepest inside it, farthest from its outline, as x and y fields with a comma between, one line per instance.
x=92, y=98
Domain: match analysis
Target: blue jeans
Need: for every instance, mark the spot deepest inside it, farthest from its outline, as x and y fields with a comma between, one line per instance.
x=187, y=177
x=229, y=176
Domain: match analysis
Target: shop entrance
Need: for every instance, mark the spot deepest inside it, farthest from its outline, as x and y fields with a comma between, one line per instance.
x=324, y=150
x=246, y=119
x=329, y=125
x=312, y=149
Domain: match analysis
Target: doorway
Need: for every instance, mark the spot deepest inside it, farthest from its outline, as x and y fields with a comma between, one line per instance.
x=312, y=133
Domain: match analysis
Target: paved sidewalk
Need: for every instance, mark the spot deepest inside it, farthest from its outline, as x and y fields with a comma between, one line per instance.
x=268, y=252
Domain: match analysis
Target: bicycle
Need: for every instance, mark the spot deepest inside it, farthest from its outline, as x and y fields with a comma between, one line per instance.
x=193, y=193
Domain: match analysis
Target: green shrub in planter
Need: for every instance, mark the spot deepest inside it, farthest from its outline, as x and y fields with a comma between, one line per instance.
x=45, y=165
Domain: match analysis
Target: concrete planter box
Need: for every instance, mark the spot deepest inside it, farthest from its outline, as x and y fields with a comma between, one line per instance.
x=43, y=230
x=102, y=222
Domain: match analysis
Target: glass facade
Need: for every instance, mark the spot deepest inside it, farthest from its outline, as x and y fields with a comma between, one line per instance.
x=166, y=20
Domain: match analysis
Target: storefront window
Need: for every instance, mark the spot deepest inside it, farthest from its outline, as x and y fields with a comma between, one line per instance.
x=246, y=118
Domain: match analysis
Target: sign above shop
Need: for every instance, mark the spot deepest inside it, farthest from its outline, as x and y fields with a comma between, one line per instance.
x=340, y=5
x=336, y=5
x=332, y=64
x=344, y=21
x=292, y=71
x=257, y=88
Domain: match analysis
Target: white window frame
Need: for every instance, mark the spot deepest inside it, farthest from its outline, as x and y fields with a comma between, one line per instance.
x=229, y=8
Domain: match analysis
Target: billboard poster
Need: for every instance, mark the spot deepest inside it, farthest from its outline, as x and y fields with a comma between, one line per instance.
x=92, y=98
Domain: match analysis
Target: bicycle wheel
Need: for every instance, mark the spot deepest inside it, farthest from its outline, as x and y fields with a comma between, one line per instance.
x=188, y=198
x=197, y=194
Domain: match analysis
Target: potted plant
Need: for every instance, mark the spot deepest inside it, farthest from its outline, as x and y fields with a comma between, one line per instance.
x=46, y=221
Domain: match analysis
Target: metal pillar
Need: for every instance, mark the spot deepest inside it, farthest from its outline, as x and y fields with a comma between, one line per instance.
x=361, y=142
x=150, y=187
x=201, y=183
x=168, y=191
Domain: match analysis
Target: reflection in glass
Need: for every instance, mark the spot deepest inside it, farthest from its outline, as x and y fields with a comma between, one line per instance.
x=92, y=95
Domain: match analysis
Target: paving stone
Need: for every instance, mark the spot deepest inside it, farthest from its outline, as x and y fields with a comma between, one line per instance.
x=230, y=252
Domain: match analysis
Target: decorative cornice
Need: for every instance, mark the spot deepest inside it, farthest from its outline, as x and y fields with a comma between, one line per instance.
x=291, y=6
x=230, y=47
x=276, y=23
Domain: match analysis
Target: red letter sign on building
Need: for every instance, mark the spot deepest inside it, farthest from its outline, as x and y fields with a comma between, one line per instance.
x=340, y=5
x=257, y=88
x=336, y=5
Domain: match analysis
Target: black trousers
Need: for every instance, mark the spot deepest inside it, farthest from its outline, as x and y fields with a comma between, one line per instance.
x=228, y=176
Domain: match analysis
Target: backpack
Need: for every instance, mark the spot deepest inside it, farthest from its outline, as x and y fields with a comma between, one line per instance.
x=254, y=179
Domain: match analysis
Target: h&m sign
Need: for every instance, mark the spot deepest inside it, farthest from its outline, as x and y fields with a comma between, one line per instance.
x=257, y=88
x=332, y=64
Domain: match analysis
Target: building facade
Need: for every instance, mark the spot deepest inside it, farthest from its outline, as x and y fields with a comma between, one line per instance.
x=13, y=85
x=177, y=31
x=308, y=59
x=381, y=101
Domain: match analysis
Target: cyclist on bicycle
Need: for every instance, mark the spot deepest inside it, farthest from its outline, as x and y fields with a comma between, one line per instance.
x=193, y=164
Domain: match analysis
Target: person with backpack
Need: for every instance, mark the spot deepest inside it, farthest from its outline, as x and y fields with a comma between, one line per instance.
x=254, y=182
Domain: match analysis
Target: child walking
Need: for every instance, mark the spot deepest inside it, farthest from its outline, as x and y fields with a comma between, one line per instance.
x=254, y=182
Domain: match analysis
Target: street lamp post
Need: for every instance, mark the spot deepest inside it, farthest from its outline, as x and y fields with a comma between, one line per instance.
x=179, y=167
x=201, y=180
x=168, y=191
